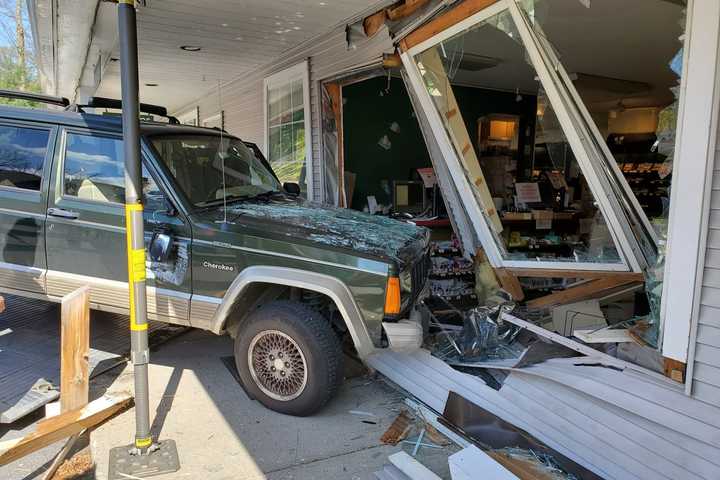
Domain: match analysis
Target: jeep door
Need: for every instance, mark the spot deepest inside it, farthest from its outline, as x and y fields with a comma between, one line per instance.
x=85, y=233
x=25, y=154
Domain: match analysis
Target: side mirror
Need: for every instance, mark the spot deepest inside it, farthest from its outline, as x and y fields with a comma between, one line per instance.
x=291, y=188
x=170, y=210
x=159, y=250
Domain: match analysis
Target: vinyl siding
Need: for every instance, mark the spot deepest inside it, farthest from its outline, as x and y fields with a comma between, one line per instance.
x=706, y=361
x=242, y=98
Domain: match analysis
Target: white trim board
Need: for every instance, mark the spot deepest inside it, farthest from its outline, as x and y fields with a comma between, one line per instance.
x=694, y=153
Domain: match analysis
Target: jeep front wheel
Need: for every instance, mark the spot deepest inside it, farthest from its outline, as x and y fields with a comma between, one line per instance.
x=289, y=358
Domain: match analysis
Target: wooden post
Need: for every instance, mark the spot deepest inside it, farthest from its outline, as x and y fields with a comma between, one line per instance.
x=74, y=362
x=75, y=351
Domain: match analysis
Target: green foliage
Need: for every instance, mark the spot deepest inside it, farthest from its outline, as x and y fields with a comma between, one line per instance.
x=13, y=76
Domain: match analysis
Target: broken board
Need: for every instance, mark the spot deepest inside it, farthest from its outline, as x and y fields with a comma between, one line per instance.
x=30, y=352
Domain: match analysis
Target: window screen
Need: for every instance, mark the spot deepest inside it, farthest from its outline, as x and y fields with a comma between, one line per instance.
x=22, y=155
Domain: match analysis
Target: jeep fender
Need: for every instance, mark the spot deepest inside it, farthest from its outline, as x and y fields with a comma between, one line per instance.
x=336, y=290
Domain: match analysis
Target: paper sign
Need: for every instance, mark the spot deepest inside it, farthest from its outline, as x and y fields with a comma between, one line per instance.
x=428, y=177
x=557, y=180
x=528, y=193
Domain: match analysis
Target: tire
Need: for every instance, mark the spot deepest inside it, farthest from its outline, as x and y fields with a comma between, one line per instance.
x=311, y=363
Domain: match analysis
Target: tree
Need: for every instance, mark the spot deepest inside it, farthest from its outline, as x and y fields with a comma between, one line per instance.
x=17, y=66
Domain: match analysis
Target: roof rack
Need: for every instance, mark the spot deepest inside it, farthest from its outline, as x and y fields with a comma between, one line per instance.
x=102, y=102
x=34, y=97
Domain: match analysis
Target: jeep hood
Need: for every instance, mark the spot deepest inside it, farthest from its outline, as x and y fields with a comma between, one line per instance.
x=362, y=233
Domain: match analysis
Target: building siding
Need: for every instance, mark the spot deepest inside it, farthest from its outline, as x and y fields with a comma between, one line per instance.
x=242, y=98
x=706, y=359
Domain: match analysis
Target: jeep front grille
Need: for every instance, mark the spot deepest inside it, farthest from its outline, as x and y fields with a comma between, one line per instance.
x=420, y=272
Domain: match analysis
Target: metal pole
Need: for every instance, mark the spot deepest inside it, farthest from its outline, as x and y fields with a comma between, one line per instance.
x=127, y=29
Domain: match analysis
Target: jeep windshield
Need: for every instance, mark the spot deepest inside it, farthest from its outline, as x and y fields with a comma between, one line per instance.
x=198, y=163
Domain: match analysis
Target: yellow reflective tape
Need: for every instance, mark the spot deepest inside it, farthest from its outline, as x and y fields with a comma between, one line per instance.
x=143, y=442
x=137, y=263
x=128, y=2
x=135, y=327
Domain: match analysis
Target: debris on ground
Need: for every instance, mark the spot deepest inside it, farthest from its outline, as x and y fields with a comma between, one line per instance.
x=398, y=429
x=79, y=467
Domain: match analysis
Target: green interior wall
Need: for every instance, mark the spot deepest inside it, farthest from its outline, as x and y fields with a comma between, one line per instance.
x=370, y=108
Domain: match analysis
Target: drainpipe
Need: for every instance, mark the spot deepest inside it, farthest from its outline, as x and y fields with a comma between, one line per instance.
x=135, y=234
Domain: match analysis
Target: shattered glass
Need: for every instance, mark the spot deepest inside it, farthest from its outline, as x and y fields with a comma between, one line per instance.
x=340, y=227
x=483, y=337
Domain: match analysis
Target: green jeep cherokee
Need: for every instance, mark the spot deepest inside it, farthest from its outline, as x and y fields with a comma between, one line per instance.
x=230, y=249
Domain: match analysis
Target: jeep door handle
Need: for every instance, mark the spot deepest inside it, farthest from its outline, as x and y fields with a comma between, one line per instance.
x=59, y=212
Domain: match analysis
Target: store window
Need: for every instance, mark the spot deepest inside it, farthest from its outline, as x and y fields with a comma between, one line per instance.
x=512, y=149
x=628, y=91
x=287, y=127
x=625, y=62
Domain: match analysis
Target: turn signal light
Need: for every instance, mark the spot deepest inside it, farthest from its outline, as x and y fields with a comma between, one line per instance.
x=392, y=296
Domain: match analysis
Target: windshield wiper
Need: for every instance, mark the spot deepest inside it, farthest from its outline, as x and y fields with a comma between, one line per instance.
x=236, y=198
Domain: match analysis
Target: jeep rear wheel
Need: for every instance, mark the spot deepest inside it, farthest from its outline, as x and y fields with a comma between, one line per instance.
x=289, y=358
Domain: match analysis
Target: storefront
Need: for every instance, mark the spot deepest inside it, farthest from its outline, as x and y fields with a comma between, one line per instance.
x=572, y=144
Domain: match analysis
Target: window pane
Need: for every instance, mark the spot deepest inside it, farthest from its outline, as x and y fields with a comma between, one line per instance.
x=153, y=197
x=627, y=70
x=286, y=132
x=207, y=170
x=510, y=144
x=94, y=168
x=22, y=154
x=297, y=93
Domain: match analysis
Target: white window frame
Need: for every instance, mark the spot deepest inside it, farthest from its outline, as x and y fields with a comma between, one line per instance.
x=695, y=150
x=622, y=242
x=299, y=71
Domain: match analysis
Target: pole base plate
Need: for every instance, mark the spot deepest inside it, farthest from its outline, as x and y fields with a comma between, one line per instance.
x=124, y=465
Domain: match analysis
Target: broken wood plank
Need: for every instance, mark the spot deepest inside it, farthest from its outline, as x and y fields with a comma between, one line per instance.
x=75, y=349
x=374, y=23
x=584, y=274
x=66, y=424
x=407, y=8
x=74, y=362
x=457, y=14
x=510, y=283
x=391, y=60
x=397, y=429
x=583, y=291
x=674, y=369
x=522, y=468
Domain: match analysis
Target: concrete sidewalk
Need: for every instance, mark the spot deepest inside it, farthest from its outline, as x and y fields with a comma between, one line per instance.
x=222, y=434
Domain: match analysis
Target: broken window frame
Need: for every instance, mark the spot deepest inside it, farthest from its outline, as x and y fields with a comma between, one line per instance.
x=569, y=119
